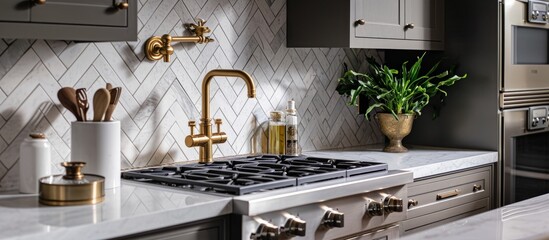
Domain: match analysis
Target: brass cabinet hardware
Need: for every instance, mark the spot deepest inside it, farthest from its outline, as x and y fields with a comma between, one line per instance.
x=205, y=139
x=477, y=187
x=360, y=22
x=40, y=2
x=122, y=5
x=409, y=26
x=157, y=48
x=448, y=194
x=412, y=203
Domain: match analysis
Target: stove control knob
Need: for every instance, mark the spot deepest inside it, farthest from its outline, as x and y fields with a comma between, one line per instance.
x=392, y=204
x=295, y=227
x=333, y=219
x=266, y=231
x=374, y=208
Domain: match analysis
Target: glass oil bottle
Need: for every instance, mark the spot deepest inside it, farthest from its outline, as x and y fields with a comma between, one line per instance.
x=277, y=133
x=291, y=129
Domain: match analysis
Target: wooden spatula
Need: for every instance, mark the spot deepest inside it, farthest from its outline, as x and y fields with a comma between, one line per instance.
x=101, y=100
x=67, y=97
x=82, y=103
x=115, y=96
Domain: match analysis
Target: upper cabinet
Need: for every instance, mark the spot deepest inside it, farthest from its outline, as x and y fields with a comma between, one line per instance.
x=380, y=24
x=83, y=20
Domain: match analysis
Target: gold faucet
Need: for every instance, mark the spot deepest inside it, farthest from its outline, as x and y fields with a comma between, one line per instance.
x=205, y=139
x=157, y=48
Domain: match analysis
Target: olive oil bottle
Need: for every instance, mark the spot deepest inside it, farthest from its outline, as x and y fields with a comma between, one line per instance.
x=277, y=133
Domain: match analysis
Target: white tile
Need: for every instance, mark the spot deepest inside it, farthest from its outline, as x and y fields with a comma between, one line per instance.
x=19, y=71
x=49, y=59
x=113, y=58
x=80, y=66
x=24, y=90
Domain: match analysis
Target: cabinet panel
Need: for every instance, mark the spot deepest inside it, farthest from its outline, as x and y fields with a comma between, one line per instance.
x=214, y=229
x=424, y=222
x=383, y=18
x=83, y=12
x=15, y=10
x=448, y=197
x=427, y=16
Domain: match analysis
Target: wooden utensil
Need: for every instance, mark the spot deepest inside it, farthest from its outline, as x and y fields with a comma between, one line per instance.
x=115, y=96
x=82, y=103
x=67, y=97
x=101, y=100
x=109, y=86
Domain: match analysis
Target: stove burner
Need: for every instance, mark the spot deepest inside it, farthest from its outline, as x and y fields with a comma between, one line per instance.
x=254, y=173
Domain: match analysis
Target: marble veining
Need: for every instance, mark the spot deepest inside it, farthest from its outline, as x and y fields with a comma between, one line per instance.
x=422, y=161
x=522, y=220
x=132, y=208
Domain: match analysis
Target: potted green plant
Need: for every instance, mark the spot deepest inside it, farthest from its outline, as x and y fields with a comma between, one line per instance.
x=397, y=97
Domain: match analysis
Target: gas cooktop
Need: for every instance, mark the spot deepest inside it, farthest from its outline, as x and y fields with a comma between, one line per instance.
x=244, y=175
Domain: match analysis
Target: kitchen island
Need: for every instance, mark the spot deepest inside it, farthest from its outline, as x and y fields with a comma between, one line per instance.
x=527, y=219
x=139, y=207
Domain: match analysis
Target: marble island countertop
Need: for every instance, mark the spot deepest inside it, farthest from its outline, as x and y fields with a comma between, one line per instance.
x=131, y=208
x=422, y=161
x=139, y=207
x=527, y=219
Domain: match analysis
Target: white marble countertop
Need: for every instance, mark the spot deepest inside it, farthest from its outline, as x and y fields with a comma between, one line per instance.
x=138, y=207
x=527, y=219
x=422, y=161
x=131, y=208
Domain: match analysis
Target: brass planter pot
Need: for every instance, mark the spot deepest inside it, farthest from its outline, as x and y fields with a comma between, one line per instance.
x=395, y=130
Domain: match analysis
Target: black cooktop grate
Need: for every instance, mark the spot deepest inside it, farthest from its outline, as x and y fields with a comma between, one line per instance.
x=239, y=176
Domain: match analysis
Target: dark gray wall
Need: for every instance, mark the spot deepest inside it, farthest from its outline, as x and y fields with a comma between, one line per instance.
x=470, y=116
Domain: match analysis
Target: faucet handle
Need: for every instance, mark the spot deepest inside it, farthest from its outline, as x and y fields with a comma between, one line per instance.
x=218, y=122
x=192, y=124
x=167, y=48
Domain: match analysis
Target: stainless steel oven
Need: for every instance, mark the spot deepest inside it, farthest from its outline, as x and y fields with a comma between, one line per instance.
x=524, y=100
x=526, y=45
x=525, y=153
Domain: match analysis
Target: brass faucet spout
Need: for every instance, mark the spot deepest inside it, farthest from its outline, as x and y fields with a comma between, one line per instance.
x=223, y=73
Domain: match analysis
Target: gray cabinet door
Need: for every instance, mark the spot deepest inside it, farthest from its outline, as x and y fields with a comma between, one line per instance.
x=383, y=18
x=15, y=10
x=81, y=12
x=427, y=16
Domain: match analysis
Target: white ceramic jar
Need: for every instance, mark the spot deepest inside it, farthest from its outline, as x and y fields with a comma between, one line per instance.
x=98, y=145
x=34, y=162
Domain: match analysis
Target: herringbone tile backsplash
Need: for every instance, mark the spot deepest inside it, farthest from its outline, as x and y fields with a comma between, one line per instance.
x=160, y=98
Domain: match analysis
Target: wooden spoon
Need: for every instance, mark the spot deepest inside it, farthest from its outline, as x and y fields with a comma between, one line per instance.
x=109, y=86
x=82, y=103
x=115, y=96
x=67, y=97
x=101, y=100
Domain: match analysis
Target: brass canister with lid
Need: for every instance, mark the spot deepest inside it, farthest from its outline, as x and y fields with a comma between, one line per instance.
x=73, y=188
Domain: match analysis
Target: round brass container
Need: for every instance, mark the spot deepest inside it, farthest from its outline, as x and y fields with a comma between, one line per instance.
x=74, y=188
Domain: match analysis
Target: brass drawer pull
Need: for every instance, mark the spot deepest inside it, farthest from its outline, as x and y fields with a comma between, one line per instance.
x=448, y=194
x=477, y=188
x=122, y=5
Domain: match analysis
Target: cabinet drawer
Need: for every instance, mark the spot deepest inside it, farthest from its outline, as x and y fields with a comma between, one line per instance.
x=449, y=191
x=81, y=12
x=417, y=224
